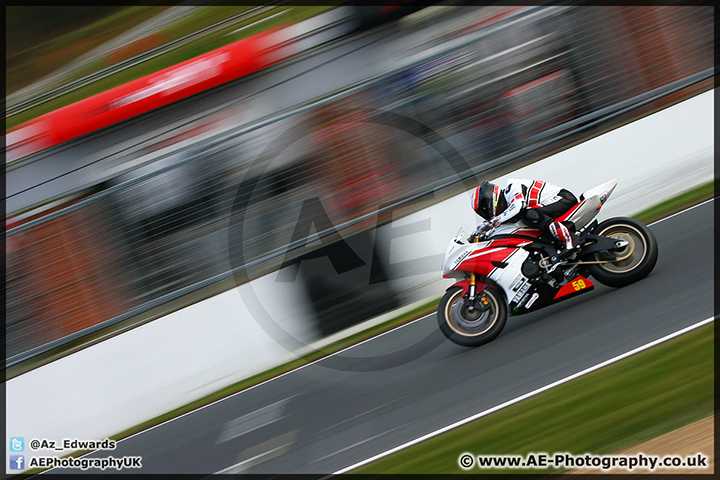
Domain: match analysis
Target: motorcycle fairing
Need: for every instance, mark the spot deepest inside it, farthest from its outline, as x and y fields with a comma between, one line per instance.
x=500, y=260
x=487, y=262
x=590, y=202
x=480, y=285
x=547, y=295
x=574, y=287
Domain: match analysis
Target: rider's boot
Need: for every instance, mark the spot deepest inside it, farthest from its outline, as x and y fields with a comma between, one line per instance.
x=571, y=241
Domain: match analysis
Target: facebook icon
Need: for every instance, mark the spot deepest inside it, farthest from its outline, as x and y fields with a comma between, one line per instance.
x=17, y=462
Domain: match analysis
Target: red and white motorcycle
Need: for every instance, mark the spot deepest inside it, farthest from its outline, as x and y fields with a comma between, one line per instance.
x=512, y=269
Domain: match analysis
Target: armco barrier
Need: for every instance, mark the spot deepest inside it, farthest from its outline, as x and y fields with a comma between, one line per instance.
x=167, y=363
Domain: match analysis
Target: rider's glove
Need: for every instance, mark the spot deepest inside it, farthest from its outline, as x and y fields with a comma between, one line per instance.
x=482, y=229
x=495, y=221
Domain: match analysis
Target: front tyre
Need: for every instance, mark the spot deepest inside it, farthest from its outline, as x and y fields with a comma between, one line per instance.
x=475, y=328
x=635, y=261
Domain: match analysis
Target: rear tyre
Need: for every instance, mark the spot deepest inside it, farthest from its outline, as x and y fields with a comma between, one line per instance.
x=635, y=261
x=471, y=329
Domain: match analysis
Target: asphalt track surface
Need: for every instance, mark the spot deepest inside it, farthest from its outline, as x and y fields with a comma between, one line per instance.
x=396, y=387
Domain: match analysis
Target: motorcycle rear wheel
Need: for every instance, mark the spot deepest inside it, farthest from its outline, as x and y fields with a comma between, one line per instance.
x=471, y=329
x=637, y=259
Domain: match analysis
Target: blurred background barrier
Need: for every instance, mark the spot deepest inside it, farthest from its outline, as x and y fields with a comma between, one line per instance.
x=196, y=207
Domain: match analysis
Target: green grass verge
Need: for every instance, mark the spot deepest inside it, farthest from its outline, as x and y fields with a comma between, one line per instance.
x=623, y=404
x=691, y=197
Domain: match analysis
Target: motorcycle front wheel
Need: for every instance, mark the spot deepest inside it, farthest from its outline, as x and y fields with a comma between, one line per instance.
x=476, y=327
x=635, y=261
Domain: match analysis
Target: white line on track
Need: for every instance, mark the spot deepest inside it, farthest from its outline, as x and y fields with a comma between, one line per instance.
x=681, y=212
x=527, y=395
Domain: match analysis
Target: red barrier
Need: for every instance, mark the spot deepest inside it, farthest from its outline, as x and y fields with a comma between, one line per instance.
x=144, y=94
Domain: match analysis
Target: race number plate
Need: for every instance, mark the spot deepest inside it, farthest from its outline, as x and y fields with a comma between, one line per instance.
x=577, y=284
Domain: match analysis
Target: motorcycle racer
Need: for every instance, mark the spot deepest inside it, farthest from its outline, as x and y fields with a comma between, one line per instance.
x=537, y=203
x=505, y=271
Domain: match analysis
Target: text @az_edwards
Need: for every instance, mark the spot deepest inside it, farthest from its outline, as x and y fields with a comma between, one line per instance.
x=72, y=444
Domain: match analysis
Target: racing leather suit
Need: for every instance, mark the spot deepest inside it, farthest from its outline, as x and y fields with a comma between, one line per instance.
x=538, y=204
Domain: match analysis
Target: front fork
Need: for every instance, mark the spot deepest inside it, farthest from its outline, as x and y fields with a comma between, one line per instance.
x=471, y=292
x=484, y=302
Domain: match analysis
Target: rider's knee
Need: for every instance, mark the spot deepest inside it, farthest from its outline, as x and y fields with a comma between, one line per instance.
x=534, y=218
